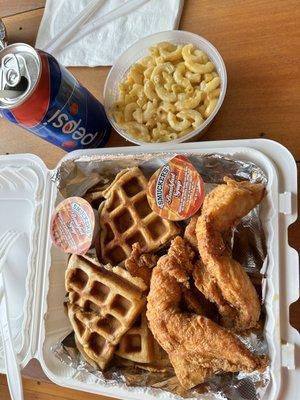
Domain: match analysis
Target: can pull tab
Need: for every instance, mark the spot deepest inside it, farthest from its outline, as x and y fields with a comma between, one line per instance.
x=12, y=84
x=10, y=68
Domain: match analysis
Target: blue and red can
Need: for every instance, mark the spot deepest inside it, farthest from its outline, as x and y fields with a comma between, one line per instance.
x=42, y=96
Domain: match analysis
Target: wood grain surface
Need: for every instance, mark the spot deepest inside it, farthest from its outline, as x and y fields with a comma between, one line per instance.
x=13, y=7
x=41, y=390
x=259, y=41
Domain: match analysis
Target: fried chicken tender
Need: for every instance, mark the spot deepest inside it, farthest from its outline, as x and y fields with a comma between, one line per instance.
x=190, y=232
x=139, y=264
x=191, y=302
x=220, y=278
x=191, y=237
x=197, y=347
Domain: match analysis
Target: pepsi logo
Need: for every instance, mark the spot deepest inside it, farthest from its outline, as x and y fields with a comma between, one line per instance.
x=69, y=127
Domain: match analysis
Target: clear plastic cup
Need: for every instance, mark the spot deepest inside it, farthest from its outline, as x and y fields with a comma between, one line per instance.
x=139, y=50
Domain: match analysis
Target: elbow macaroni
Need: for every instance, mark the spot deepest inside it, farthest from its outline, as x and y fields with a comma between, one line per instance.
x=167, y=94
x=191, y=102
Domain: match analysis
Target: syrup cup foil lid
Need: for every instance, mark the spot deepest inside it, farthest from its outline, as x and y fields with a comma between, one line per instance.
x=176, y=190
x=74, y=225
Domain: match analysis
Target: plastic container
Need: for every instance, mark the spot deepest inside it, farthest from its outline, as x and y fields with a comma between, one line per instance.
x=35, y=287
x=74, y=225
x=139, y=50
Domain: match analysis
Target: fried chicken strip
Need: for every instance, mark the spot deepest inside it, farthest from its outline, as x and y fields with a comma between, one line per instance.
x=197, y=347
x=140, y=264
x=190, y=232
x=222, y=279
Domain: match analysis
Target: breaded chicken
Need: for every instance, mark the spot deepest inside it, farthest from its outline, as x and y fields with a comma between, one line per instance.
x=197, y=347
x=222, y=279
x=190, y=232
x=140, y=264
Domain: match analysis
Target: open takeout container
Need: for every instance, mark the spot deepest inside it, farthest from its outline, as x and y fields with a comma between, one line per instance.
x=35, y=268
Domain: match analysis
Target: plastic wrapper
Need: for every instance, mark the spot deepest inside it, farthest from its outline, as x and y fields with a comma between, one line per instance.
x=76, y=176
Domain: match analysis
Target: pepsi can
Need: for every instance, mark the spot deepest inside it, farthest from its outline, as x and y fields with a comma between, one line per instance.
x=42, y=96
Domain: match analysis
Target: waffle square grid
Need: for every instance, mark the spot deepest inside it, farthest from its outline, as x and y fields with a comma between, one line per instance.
x=103, y=304
x=126, y=218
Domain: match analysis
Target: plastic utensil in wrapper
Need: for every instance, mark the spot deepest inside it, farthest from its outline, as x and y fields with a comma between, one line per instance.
x=74, y=226
x=176, y=190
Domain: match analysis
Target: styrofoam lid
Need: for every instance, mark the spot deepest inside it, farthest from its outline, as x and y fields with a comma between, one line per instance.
x=22, y=194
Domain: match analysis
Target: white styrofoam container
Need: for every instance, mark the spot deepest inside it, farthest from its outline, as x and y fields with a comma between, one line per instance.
x=35, y=269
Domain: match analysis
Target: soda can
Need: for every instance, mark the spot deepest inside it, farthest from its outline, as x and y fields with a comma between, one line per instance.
x=42, y=96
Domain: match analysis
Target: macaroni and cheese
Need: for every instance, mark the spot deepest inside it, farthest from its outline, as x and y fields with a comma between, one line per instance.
x=167, y=94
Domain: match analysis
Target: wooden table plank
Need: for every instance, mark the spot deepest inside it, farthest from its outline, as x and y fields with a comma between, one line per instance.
x=11, y=7
x=259, y=41
x=39, y=390
x=262, y=63
x=23, y=27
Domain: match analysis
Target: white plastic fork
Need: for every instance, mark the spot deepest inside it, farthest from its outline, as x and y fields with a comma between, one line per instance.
x=13, y=374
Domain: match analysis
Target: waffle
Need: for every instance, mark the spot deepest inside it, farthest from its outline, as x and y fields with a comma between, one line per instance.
x=126, y=218
x=138, y=343
x=85, y=356
x=103, y=304
x=91, y=344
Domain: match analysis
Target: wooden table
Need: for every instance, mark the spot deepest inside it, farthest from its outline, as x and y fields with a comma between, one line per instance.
x=259, y=41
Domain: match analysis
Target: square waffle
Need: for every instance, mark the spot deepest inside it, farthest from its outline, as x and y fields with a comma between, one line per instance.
x=126, y=218
x=91, y=344
x=138, y=343
x=103, y=304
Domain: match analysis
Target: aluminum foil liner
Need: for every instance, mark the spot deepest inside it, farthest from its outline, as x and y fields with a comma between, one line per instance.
x=75, y=176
